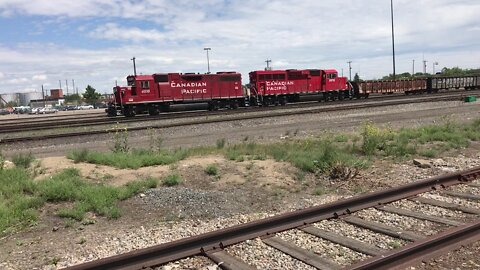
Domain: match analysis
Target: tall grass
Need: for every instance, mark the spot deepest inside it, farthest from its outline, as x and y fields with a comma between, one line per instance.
x=20, y=196
x=134, y=159
x=428, y=141
x=23, y=160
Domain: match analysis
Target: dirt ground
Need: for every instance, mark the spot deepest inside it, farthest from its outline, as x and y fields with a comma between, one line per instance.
x=240, y=190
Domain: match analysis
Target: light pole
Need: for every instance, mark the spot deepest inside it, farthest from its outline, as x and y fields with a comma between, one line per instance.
x=208, y=59
x=393, y=39
x=350, y=69
x=413, y=67
x=134, y=67
x=434, y=64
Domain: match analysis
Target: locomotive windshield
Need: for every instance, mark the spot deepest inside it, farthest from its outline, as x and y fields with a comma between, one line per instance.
x=131, y=81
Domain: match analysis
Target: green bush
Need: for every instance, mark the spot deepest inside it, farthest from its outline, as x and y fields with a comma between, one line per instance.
x=171, y=180
x=23, y=160
x=221, y=143
x=211, y=169
x=79, y=155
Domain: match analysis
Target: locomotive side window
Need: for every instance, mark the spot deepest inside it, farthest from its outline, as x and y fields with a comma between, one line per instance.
x=160, y=78
x=332, y=75
x=145, y=84
x=130, y=81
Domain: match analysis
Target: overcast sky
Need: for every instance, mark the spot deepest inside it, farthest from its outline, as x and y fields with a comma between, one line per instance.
x=92, y=41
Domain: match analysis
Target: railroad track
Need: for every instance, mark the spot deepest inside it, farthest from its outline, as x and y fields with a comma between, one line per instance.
x=96, y=120
x=235, y=116
x=219, y=246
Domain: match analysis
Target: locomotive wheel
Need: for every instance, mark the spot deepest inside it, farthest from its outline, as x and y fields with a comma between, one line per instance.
x=234, y=105
x=153, y=111
x=129, y=112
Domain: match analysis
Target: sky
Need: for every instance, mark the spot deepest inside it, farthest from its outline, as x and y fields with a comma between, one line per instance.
x=92, y=42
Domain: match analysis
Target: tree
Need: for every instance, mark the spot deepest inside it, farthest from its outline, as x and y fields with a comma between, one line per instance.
x=73, y=98
x=90, y=95
x=356, y=78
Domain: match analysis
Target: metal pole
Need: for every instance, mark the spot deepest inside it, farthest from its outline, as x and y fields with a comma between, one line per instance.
x=208, y=60
x=393, y=39
x=66, y=83
x=413, y=67
x=350, y=69
x=43, y=96
x=134, y=67
x=73, y=87
x=60, y=83
x=268, y=64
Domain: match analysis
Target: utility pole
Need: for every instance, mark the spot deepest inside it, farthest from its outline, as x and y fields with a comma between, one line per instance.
x=342, y=72
x=134, y=67
x=73, y=87
x=43, y=96
x=66, y=85
x=350, y=70
x=268, y=61
x=60, y=83
x=393, y=40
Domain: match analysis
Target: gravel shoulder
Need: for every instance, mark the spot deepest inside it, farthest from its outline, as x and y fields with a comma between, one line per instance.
x=243, y=192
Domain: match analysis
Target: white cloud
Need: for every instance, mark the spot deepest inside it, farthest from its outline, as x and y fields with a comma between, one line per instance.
x=40, y=77
x=169, y=36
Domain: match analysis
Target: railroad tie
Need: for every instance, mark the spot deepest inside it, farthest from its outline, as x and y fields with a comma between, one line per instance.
x=451, y=206
x=462, y=195
x=301, y=254
x=344, y=241
x=381, y=228
x=228, y=261
x=410, y=213
x=473, y=185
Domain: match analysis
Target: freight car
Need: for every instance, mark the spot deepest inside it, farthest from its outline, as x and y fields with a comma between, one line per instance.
x=415, y=86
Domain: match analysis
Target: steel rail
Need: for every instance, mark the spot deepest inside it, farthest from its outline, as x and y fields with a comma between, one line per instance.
x=217, y=240
x=422, y=250
x=99, y=120
x=251, y=115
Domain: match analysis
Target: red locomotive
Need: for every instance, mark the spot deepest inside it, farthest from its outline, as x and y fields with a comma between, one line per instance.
x=155, y=93
x=279, y=86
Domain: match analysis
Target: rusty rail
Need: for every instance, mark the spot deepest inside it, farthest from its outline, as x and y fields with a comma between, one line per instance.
x=218, y=240
x=422, y=250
